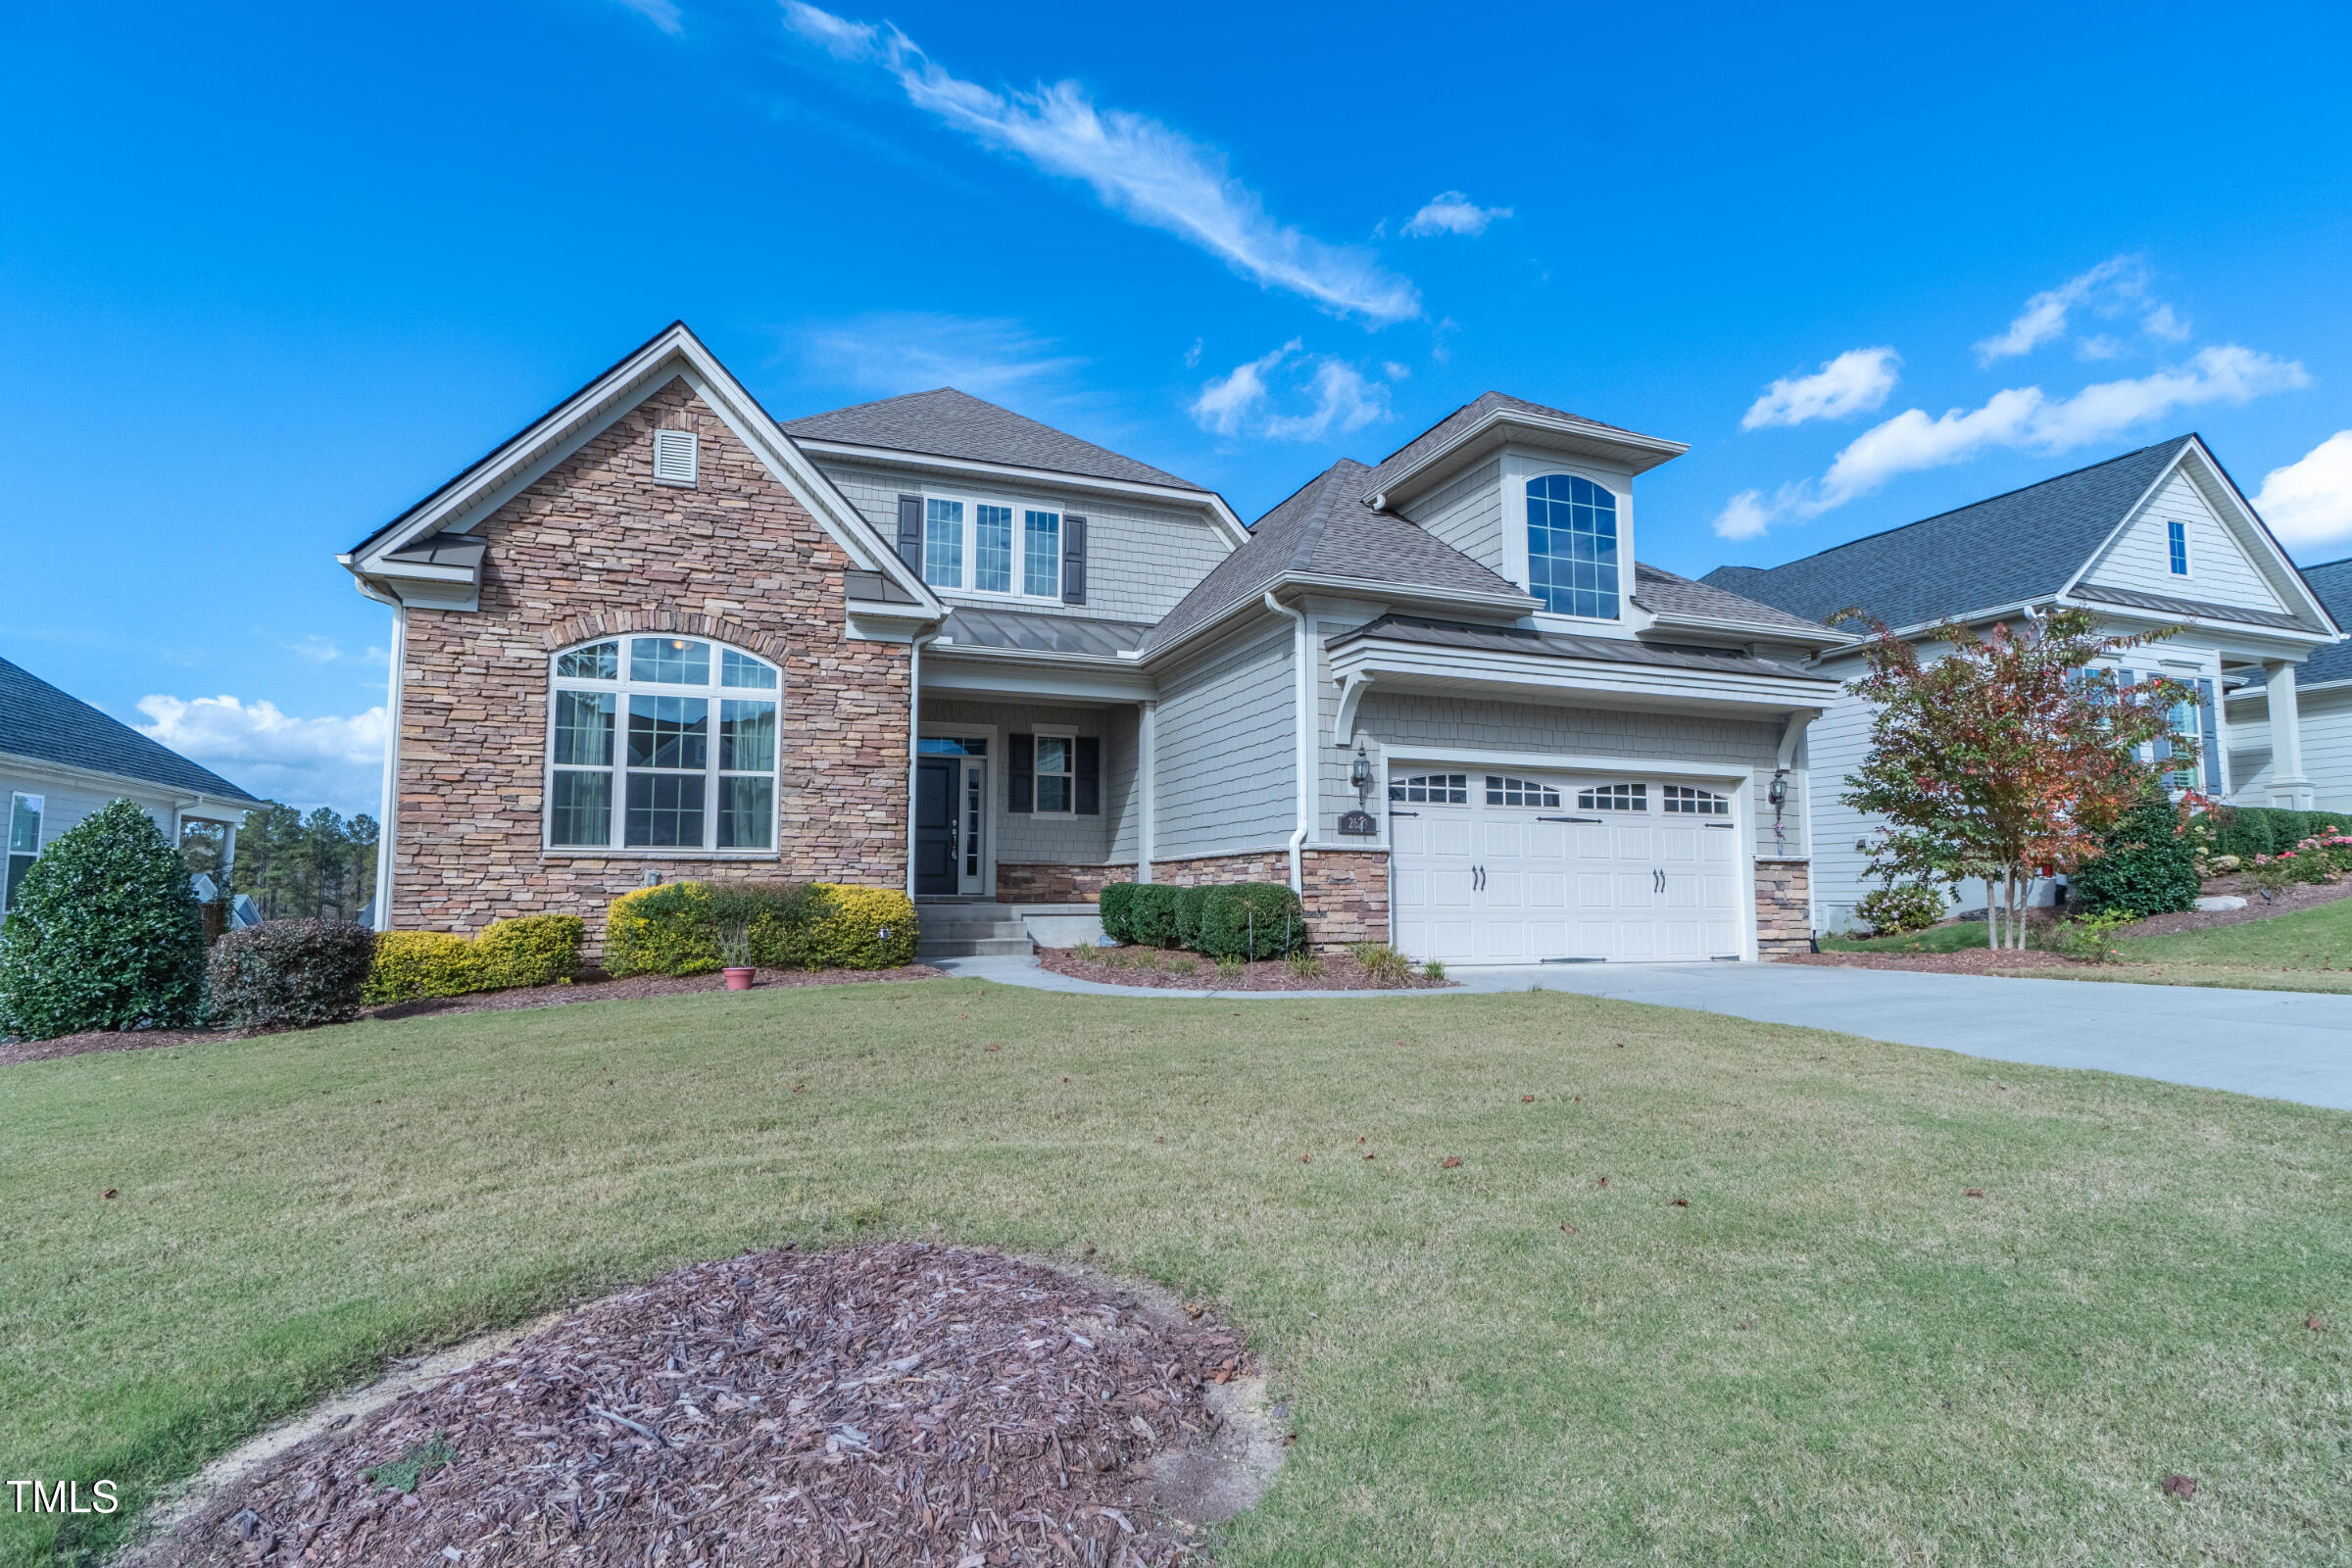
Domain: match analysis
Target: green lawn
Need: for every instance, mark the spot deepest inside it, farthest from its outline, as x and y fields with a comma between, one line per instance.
x=1830, y=1356
x=1935, y=939
x=2317, y=938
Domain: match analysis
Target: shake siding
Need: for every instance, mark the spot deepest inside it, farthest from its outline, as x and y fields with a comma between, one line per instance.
x=1467, y=515
x=2218, y=571
x=1227, y=737
x=1834, y=748
x=1023, y=837
x=1140, y=560
x=2327, y=749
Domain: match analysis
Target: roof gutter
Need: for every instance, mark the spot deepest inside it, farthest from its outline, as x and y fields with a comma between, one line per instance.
x=1306, y=724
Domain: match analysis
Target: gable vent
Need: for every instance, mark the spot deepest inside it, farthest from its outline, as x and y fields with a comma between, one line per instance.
x=673, y=456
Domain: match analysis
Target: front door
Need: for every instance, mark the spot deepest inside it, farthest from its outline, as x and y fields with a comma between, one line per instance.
x=937, y=864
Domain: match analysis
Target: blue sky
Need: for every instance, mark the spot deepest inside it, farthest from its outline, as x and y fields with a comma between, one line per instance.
x=269, y=275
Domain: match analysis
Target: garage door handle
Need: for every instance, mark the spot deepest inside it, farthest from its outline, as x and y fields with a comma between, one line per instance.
x=1478, y=882
x=1404, y=813
x=1661, y=883
x=1594, y=820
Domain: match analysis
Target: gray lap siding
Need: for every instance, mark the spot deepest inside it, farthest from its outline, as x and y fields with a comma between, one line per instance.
x=1227, y=740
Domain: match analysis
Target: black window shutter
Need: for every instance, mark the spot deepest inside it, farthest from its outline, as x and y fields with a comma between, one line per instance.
x=1090, y=776
x=911, y=532
x=1021, y=765
x=1073, y=561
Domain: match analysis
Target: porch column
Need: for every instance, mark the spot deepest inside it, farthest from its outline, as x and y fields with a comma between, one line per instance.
x=1147, y=765
x=2291, y=787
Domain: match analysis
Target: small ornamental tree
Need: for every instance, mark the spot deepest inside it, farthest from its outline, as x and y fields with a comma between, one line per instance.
x=2009, y=753
x=103, y=933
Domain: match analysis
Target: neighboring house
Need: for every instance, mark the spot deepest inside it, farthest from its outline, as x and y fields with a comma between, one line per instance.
x=2323, y=699
x=2158, y=537
x=60, y=759
x=928, y=643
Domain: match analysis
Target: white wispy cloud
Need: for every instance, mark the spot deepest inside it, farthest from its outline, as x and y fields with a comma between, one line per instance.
x=1453, y=213
x=1136, y=166
x=302, y=761
x=1321, y=396
x=2117, y=287
x=1854, y=382
x=889, y=352
x=662, y=13
x=2018, y=417
x=2309, y=501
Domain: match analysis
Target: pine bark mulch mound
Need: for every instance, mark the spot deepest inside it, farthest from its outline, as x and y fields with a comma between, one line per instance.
x=897, y=1404
x=2291, y=900
x=1150, y=969
x=588, y=989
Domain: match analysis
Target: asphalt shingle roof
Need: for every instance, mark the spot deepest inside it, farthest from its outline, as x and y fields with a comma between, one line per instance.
x=1557, y=644
x=1661, y=592
x=947, y=424
x=1326, y=530
x=2332, y=582
x=1469, y=413
x=39, y=721
x=2004, y=551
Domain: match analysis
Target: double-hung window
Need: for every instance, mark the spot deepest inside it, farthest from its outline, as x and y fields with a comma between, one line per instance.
x=1056, y=774
x=24, y=813
x=992, y=547
x=663, y=743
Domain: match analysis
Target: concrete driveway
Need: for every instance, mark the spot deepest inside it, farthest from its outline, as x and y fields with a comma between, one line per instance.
x=2286, y=1045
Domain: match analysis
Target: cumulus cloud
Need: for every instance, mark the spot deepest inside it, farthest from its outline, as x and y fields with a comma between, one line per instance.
x=662, y=13
x=1453, y=213
x=1854, y=382
x=2018, y=417
x=2309, y=501
x=1136, y=166
x=2117, y=287
x=1327, y=396
x=302, y=761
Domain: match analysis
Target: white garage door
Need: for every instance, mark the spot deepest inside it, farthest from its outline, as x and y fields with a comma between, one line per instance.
x=1517, y=868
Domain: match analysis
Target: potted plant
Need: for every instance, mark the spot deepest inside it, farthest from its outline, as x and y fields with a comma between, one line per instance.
x=732, y=911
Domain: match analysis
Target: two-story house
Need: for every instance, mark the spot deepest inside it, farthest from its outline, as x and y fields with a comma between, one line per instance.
x=928, y=643
x=2158, y=538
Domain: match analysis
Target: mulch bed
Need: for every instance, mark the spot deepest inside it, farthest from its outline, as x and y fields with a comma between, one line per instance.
x=897, y=1404
x=589, y=988
x=1151, y=969
x=2291, y=900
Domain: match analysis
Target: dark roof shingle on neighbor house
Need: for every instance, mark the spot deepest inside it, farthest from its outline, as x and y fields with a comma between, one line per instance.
x=947, y=424
x=2333, y=581
x=41, y=722
x=1995, y=553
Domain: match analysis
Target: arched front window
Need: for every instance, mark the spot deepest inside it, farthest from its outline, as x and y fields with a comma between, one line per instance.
x=661, y=743
x=1572, y=546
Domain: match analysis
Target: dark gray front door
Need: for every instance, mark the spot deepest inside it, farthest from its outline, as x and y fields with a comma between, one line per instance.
x=935, y=836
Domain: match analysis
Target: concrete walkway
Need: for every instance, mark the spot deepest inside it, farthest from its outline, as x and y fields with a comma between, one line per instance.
x=2287, y=1045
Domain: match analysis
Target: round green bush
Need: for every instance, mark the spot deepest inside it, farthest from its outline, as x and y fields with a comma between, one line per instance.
x=103, y=933
x=1905, y=907
x=1115, y=907
x=1250, y=920
x=288, y=975
x=1152, y=917
x=2145, y=864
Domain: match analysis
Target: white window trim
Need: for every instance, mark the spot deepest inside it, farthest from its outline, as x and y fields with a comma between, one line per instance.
x=8, y=824
x=1517, y=467
x=2188, y=549
x=972, y=501
x=622, y=689
x=1061, y=732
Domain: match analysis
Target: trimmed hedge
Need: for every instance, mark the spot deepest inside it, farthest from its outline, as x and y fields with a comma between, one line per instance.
x=1250, y=920
x=290, y=974
x=2246, y=831
x=681, y=927
x=1153, y=915
x=103, y=932
x=2146, y=865
x=1116, y=907
x=1188, y=916
x=530, y=950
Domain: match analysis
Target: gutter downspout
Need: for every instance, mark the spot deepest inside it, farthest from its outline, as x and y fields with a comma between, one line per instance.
x=386, y=831
x=914, y=738
x=1306, y=726
x=1147, y=760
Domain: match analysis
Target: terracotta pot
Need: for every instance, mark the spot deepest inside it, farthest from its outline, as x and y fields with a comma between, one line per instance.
x=740, y=979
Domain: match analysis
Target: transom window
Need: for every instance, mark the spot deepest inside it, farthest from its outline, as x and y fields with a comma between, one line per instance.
x=1436, y=788
x=1614, y=798
x=2175, y=543
x=1520, y=792
x=1572, y=546
x=988, y=547
x=661, y=743
x=1691, y=801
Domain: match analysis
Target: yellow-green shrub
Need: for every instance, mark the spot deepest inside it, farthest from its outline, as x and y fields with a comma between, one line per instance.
x=530, y=950
x=862, y=928
x=410, y=964
x=673, y=929
x=664, y=929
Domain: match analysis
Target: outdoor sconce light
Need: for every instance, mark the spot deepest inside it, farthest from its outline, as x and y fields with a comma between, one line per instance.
x=1778, y=794
x=1360, y=773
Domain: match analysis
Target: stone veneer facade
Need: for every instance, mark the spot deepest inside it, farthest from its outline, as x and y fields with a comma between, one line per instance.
x=1783, y=907
x=596, y=547
x=1346, y=895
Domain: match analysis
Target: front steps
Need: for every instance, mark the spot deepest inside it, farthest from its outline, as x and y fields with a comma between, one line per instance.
x=957, y=929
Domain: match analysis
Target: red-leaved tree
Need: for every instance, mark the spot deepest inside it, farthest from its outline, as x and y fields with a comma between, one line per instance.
x=2008, y=752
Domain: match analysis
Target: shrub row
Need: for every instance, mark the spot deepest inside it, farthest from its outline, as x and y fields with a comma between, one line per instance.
x=2146, y=865
x=696, y=927
x=2247, y=831
x=1224, y=919
x=531, y=949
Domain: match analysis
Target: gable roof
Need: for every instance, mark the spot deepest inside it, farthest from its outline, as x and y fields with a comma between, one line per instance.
x=40, y=721
x=1662, y=593
x=2331, y=581
x=1451, y=428
x=1326, y=530
x=944, y=423
x=2025, y=545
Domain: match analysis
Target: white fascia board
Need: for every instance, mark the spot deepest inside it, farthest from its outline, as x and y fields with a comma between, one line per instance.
x=1611, y=684
x=1391, y=595
x=525, y=459
x=1639, y=452
x=184, y=801
x=1013, y=475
